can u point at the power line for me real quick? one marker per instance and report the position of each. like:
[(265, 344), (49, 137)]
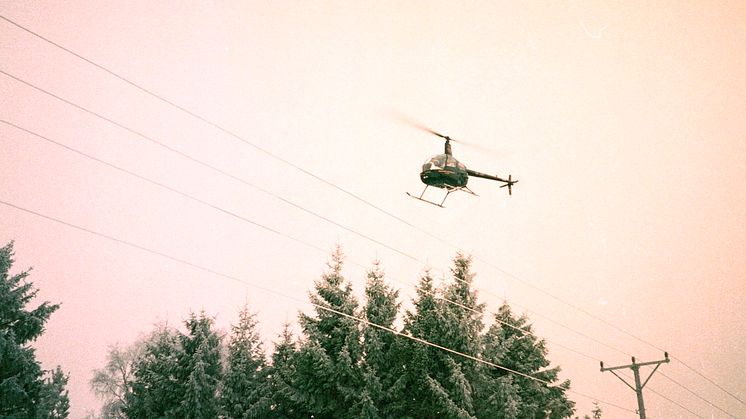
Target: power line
[(164, 186), (523, 331), (220, 171), (276, 157), (293, 165), (710, 381), (573, 306), (232, 214), (661, 395), (212, 167), (319, 306), (255, 223), (329, 183), (652, 390), (224, 173), (193, 198), (266, 289), (551, 320), (696, 395), (217, 126)]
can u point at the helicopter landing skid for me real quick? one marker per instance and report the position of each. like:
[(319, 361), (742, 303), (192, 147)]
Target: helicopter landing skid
[(448, 189)]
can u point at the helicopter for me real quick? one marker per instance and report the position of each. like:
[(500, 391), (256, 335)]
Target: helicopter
[(445, 172)]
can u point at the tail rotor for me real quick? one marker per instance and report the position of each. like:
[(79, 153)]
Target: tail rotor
[(509, 183)]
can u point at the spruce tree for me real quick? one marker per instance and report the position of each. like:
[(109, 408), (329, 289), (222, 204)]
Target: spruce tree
[(522, 351), (381, 308), (329, 379), (177, 375), (452, 318), (497, 391), (462, 327), (286, 400), (200, 361), (245, 388), (54, 401), (157, 385), (24, 392), (418, 364)]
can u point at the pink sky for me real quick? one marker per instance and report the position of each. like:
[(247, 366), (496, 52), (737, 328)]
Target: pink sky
[(622, 120)]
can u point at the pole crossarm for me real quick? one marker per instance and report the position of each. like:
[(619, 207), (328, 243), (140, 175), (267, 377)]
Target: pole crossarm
[(635, 367)]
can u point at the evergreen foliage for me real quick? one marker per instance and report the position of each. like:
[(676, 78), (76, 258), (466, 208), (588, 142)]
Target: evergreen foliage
[(520, 350), (329, 377), (245, 391), (419, 364), (462, 327), (157, 389), (24, 390), (344, 367), (178, 374), (379, 376), (450, 317), (286, 400), (200, 363), (54, 401)]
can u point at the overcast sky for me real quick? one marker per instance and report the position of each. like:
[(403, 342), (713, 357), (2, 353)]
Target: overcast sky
[(623, 121)]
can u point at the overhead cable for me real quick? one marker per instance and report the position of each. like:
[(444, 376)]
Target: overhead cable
[(212, 167), (319, 306), (257, 224), (243, 181), (333, 185)]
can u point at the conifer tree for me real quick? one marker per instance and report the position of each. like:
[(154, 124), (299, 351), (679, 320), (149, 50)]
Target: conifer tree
[(522, 351), (286, 401), (178, 374), (54, 401), (463, 314), (381, 308), (460, 327), (463, 318), (24, 392), (445, 382), (200, 361), (329, 378), (420, 367), (497, 393), (157, 385), (245, 390)]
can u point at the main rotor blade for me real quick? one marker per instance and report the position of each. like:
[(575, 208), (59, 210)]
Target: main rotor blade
[(408, 120)]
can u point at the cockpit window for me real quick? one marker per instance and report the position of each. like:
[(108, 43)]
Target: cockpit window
[(437, 162)]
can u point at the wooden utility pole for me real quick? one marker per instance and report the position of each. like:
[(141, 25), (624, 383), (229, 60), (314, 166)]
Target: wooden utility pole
[(635, 367)]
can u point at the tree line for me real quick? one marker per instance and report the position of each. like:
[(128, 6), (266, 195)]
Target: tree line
[(351, 360)]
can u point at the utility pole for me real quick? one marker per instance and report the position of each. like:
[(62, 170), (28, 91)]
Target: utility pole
[(635, 367)]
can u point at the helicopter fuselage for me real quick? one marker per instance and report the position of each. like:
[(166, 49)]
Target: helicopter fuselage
[(444, 171)]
